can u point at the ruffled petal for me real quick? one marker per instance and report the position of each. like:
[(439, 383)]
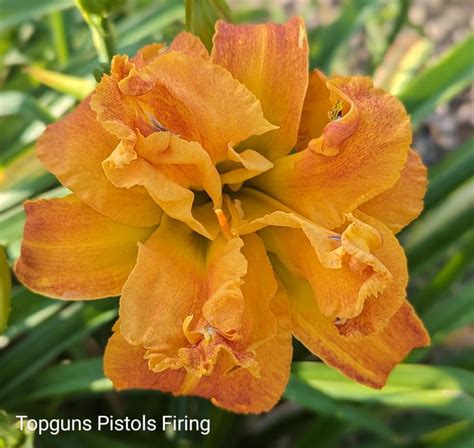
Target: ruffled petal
[(207, 311), (242, 166), (239, 391), (181, 277), (190, 44), (186, 95), (232, 388), (363, 293), (251, 211), (70, 251), (367, 360), (169, 168), (73, 149), (359, 155), (402, 203), (272, 61), (126, 366), (358, 273)]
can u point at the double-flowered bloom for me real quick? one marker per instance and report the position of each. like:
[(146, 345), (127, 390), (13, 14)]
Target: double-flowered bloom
[(233, 200)]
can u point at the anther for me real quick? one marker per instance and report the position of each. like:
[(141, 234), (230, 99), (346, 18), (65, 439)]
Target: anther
[(156, 124), (336, 111), (224, 224)]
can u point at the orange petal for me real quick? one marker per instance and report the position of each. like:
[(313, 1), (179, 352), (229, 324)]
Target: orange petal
[(206, 324), (358, 156), (70, 251), (371, 274), (242, 166), (127, 367), (187, 95), (272, 61), (73, 149), (234, 389), (402, 203), (170, 283), (169, 168), (367, 360), (190, 44), (239, 391), (189, 275), (251, 211)]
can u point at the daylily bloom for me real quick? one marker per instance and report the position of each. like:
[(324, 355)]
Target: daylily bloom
[(233, 200)]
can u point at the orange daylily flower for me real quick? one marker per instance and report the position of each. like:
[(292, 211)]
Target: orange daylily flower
[(233, 200)]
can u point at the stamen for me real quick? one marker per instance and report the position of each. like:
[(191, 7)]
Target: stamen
[(336, 111), (156, 124), (240, 210), (224, 224), (340, 321), (208, 332)]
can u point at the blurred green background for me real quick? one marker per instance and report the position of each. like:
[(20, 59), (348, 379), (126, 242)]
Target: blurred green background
[(50, 353)]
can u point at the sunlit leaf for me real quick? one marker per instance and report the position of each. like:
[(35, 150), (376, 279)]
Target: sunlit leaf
[(456, 435), (201, 16), (311, 398), (441, 390), (14, 12)]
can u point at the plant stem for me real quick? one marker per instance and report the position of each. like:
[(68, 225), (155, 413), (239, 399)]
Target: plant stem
[(102, 34)]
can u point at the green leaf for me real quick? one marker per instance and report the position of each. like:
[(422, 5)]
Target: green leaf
[(100, 7), (148, 22), (201, 16), (84, 376), (45, 342), (20, 103), (439, 227), (451, 172), (382, 28), (5, 290), (327, 431), (459, 261), (326, 41), (28, 310), (458, 435), (440, 390), (401, 65), (299, 391), (441, 82), (14, 12), (22, 178), (452, 313), (95, 14)]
